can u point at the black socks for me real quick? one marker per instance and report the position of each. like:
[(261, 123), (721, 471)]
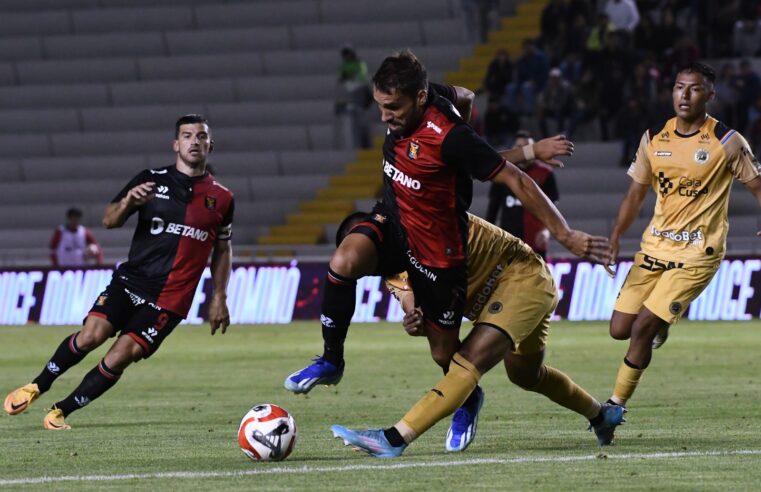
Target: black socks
[(67, 355), (337, 310)]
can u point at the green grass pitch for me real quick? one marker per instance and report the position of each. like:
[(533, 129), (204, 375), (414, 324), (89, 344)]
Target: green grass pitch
[(171, 422)]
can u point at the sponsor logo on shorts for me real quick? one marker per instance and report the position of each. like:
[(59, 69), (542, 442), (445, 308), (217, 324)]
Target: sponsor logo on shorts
[(662, 153), (327, 322), (654, 264), (495, 307), (149, 334), (158, 226), (136, 299), (420, 267), (675, 308), (485, 293), (690, 237), (400, 177)]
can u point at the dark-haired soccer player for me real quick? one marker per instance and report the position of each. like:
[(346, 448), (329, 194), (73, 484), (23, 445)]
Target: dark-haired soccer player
[(689, 162), (184, 214), (510, 298), (430, 157)]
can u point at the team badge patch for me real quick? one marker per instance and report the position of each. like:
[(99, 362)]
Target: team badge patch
[(102, 299), (413, 150), (380, 218), (211, 202), (701, 156), (495, 307), (675, 308)]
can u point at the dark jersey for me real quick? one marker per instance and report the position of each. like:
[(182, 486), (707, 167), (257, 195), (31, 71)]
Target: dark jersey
[(512, 216), (428, 181), (174, 236)]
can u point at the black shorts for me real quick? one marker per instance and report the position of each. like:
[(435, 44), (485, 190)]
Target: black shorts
[(134, 316), (439, 292)]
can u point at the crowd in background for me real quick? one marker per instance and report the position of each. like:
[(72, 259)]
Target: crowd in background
[(607, 68)]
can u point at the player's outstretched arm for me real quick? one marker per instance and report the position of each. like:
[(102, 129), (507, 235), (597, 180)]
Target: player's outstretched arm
[(116, 213), (545, 150), (627, 213), (593, 248), (221, 260)]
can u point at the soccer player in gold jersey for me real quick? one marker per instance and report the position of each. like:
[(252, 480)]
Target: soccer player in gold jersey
[(510, 298), (689, 161)]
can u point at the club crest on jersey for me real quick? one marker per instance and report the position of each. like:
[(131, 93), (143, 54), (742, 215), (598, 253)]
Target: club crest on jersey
[(413, 150), (211, 202), (101, 299), (701, 156), (380, 218)]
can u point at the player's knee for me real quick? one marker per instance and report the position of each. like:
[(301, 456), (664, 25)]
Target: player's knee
[(526, 380), (619, 331), (442, 356), (92, 338), (346, 262)]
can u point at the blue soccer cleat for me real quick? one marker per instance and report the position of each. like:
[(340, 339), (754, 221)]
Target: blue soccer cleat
[(462, 431), (612, 417), (371, 441), (319, 372)]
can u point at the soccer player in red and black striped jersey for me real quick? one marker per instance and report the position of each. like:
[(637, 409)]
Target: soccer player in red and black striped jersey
[(430, 157), (184, 215)]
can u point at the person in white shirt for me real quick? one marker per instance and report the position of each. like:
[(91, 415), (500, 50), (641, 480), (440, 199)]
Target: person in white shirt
[(73, 245), (623, 14)]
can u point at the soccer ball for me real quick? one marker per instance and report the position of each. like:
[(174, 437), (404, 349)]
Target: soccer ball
[(267, 433)]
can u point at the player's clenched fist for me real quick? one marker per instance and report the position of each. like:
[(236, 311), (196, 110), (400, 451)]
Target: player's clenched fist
[(140, 194)]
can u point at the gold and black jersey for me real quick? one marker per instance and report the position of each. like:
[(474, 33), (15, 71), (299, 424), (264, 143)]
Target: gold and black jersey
[(490, 251), (692, 177)]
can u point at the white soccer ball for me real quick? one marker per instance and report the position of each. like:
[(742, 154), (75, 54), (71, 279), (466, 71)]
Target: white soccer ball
[(267, 433)]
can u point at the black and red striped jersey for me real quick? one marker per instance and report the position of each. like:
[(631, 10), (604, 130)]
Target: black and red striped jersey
[(174, 236), (428, 184)]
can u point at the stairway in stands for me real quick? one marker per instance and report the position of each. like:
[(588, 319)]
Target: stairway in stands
[(362, 178)]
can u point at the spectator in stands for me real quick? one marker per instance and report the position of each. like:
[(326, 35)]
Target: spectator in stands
[(499, 122), (587, 101), (512, 216), (532, 70), (481, 16), (725, 101), (353, 98), (499, 73), (576, 35), (73, 245), (647, 36), (623, 14), (748, 86), (668, 32), (754, 126), (597, 41), (556, 102), (746, 38), (554, 16)]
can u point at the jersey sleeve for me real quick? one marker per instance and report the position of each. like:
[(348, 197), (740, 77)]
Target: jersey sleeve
[(446, 91), (740, 159), (640, 169), (465, 150), (225, 232), (141, 177)]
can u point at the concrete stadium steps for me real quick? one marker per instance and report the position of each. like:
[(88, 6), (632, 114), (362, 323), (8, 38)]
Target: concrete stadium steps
[(513, 30)]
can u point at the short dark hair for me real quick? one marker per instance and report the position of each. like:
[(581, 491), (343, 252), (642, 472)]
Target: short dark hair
[(74, 212), (348, 224), (403, 72), (189, 119), (696, 67)]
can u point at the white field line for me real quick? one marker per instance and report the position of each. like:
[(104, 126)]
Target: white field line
[(277, 470)]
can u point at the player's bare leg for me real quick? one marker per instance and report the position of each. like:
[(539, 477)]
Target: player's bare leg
[(621, 325), (644, 330), (100, 379), (70, 352)]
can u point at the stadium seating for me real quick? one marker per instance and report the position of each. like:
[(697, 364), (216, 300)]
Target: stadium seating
[(90, 89)]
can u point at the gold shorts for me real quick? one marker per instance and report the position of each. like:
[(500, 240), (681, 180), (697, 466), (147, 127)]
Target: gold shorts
[(666, 288), (521, 305)]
